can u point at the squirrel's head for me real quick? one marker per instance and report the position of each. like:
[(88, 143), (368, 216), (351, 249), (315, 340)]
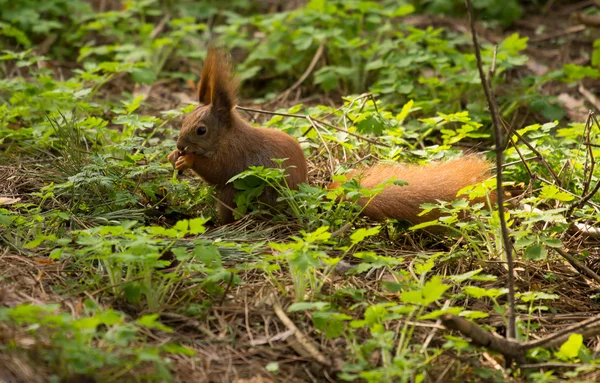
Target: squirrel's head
[(207, 124)]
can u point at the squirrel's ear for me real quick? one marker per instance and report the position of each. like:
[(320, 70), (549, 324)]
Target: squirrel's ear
[(223, 87), (205, 85)]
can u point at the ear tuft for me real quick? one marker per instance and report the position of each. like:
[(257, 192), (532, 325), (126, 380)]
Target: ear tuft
[(204, 87), (218, 87)]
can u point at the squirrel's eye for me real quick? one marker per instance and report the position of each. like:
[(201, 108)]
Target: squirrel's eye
[(201, 131)]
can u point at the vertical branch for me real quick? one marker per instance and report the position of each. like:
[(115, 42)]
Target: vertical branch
[(487, 88)]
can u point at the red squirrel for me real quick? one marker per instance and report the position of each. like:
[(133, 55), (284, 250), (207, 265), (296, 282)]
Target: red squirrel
[(216, 143)]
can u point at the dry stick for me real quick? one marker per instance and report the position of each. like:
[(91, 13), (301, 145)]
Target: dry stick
[(227, 206), (513, 349), (514, 144), (511, 330), (535, 151), (586, 197), (316, 120), (432, 333), (330, 159), (306, 343), (583, 269), (522, 160), (306, 73), (589, 96), (589, 151), (479, 337), (586, 328)]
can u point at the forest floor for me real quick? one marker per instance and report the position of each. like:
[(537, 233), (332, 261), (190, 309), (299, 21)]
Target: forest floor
[(213, 305)]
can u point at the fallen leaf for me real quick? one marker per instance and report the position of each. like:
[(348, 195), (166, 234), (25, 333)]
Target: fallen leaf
[(256, 379), (8, 201), (536, 67), (575, 107)]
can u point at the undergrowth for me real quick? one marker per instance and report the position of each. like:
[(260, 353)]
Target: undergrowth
[(89, 117)]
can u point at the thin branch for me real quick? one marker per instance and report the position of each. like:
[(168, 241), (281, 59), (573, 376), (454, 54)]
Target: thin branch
[(583, 269), (306, 343), (589, 154), (535, 151), (586, 327), (374, 142), (307, 72), (486, 83), (330, 155), (479, 337)]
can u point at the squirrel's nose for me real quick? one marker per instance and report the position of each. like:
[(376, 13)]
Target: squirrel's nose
[(180, 147)]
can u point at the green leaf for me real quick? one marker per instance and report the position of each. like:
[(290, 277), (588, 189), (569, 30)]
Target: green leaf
[(197, 225), (182, 226), (371, 124), (431, 292), (437, 313), (570, 349), (143, 76), (174, 348), (319, 235), (524, 242), (466, 276), (316, 5), (578, 72), (552, 192), (551, 242), (151, 321), (423, 225), (405, 111), (478, 292), (331, 323), (514, 44), (304, 306), (536, 252), (362, 233), (596, 54)]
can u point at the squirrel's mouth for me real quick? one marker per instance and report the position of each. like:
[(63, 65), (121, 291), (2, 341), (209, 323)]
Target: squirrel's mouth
[(196, 151)]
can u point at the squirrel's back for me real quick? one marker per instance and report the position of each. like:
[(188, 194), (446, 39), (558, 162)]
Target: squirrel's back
[(426, 184)]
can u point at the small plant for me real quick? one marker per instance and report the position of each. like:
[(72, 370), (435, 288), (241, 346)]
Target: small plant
[(98, 343)]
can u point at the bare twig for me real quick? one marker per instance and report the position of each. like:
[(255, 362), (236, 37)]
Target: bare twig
[(541, 158), (587, 328), (160, 26), (316, 120), (284, 95), (486, 83), (589, 155), (227, 206), (522, 160), (589, 96), (515, 350), (341, 230), (302, 339), (588, 171), (583, 269), (330, 155), (480, 337)]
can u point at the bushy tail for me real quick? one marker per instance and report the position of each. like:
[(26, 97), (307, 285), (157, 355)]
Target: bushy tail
[(426, 184)]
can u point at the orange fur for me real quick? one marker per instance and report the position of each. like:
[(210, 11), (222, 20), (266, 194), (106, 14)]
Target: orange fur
[(426, 184), (229, 144)]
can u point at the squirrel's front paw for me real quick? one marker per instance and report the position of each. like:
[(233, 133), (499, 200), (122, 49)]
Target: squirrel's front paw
[(184, 162), (174, 156)]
